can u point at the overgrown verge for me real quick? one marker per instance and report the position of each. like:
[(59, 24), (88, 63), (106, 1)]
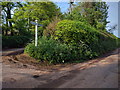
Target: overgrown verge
[(73, 41)]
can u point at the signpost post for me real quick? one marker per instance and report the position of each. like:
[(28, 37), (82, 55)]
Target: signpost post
[(36, 36), (36, 30)]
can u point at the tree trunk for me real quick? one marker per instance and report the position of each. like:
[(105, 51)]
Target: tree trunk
[(10, 23), (6, 29)]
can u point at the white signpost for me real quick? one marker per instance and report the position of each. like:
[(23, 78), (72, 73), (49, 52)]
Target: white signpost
[(36, 30)]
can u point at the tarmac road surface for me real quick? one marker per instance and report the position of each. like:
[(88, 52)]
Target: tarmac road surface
[(98, 73)]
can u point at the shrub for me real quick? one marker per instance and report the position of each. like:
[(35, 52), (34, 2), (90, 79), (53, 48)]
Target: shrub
[(74, 41), (56, 52), (47, 49), (70, 31), (106, 42), (14, 41), (77, 32)]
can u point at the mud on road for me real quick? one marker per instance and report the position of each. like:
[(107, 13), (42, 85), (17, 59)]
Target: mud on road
[(22, 71)]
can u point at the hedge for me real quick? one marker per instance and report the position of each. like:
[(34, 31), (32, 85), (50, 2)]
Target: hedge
[(56, 52), (77, 32), (14, 41), (73, 41)]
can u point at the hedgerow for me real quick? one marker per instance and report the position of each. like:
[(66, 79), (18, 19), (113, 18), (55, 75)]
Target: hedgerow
[(14, 41), (73, 41), (77, 32)]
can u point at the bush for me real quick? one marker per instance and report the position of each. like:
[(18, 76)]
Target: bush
[(76, 32), (56, 52), (70, 31), (75, 41), (14, 41), (105, 43), (47, 49)]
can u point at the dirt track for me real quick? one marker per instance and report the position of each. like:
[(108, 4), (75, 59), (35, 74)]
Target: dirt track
[(98, 73)]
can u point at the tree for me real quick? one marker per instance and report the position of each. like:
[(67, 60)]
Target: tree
[(44, 12), (7, 8), (94, 13)]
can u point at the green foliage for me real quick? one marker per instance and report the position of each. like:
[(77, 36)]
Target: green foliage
[(56, 52), (81, 36), (70, 31), (7, 8), (47, 49), (14, 41), (75, 41), (44, 12), (75, 15), (94, 13), (118, 42), (75, 32)]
